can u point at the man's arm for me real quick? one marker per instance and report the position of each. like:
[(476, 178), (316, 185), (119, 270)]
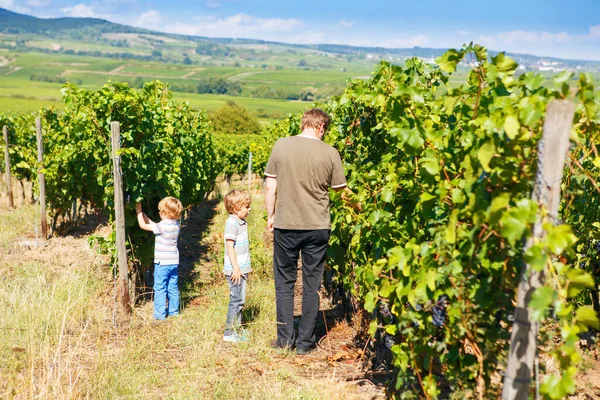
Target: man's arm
[(270, 196), (346, 196)]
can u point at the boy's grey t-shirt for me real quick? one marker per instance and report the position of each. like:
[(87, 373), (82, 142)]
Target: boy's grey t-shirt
[(236, 229), (165, 244), (305, 169)]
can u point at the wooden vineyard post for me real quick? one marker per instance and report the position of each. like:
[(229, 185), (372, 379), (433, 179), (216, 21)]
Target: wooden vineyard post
[(9, 192), (41, 177), (123, 283), (552, 152), (249, 172)]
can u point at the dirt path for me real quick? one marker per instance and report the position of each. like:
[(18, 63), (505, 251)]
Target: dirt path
[(241, 76), (192, 72), (12, 71), (117, 71), (182, 357)]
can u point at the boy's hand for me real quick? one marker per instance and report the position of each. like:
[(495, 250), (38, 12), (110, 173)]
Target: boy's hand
[(236, 277), (138, 207)]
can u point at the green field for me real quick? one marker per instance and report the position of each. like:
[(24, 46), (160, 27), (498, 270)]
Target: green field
[(19, 105), (30, 80), (20, 89)]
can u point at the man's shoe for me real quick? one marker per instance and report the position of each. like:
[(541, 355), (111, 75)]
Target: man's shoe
[(301, 351)]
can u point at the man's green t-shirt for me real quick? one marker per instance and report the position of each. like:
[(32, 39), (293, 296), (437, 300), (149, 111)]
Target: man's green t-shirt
[(305, 169)]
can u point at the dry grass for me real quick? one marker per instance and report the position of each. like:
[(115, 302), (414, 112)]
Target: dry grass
[(58, 340)]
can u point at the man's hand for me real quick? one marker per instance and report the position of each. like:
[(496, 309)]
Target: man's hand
[(270, 197), (138, 208), (346, 196), (236, 277), (271, 224)]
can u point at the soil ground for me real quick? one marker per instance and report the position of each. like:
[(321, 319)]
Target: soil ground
[(337, 369)]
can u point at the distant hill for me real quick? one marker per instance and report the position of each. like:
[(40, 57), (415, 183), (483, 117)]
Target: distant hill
[(11, 22), (28, 31)]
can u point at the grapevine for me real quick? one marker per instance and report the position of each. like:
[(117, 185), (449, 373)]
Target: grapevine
[(444, 176)]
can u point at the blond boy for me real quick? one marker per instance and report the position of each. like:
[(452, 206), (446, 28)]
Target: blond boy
[(237, 260), (166, 255)]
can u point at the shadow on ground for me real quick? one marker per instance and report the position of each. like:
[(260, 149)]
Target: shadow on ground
[(87, 222), (192, 250)]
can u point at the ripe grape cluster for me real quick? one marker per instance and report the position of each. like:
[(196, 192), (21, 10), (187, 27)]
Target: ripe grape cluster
[(388, 341), (385, 310), (438, 312)]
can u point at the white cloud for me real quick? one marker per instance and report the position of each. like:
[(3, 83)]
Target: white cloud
[(212, 3), (401, 42), (513, 37), (150, 19), (529, 37), (238, 26), (37, 3), (541, 43), (345, 24), (13, 6), (463, 32), (83, 11)]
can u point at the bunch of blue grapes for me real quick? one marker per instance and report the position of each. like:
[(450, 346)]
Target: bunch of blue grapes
[(439, 312), (384, 309), (388, 341)]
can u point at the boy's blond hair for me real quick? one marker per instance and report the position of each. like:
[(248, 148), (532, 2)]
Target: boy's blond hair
[(170, 207), (314, 118), (235, 200)]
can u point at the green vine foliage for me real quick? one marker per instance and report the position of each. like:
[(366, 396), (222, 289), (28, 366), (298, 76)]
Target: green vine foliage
[(22, 147), (166, 150), (444, 176), (233, 149)]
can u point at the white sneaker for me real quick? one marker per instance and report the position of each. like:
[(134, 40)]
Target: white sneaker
[(235, 338)]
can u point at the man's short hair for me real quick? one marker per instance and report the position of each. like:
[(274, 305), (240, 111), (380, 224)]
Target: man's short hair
[(170, 207), (314, 118), (235, 200)]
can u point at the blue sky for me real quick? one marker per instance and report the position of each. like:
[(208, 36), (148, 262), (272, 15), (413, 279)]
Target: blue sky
[(560, 28)]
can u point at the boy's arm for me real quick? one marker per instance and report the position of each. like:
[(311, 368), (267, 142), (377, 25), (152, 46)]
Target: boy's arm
[(236, 277), (143, 221), (270, 196)]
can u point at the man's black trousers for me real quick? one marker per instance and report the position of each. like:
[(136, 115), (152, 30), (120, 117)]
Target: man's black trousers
[(288, 244)]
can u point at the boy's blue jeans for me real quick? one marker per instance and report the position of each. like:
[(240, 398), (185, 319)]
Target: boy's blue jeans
[(237, 298), (165, 287)]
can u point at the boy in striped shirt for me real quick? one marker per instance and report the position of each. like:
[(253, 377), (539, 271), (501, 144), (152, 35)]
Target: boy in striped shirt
[(166, 255), (237, 260)]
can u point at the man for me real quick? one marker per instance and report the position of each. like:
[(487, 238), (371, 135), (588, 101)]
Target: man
[(299, 174)]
